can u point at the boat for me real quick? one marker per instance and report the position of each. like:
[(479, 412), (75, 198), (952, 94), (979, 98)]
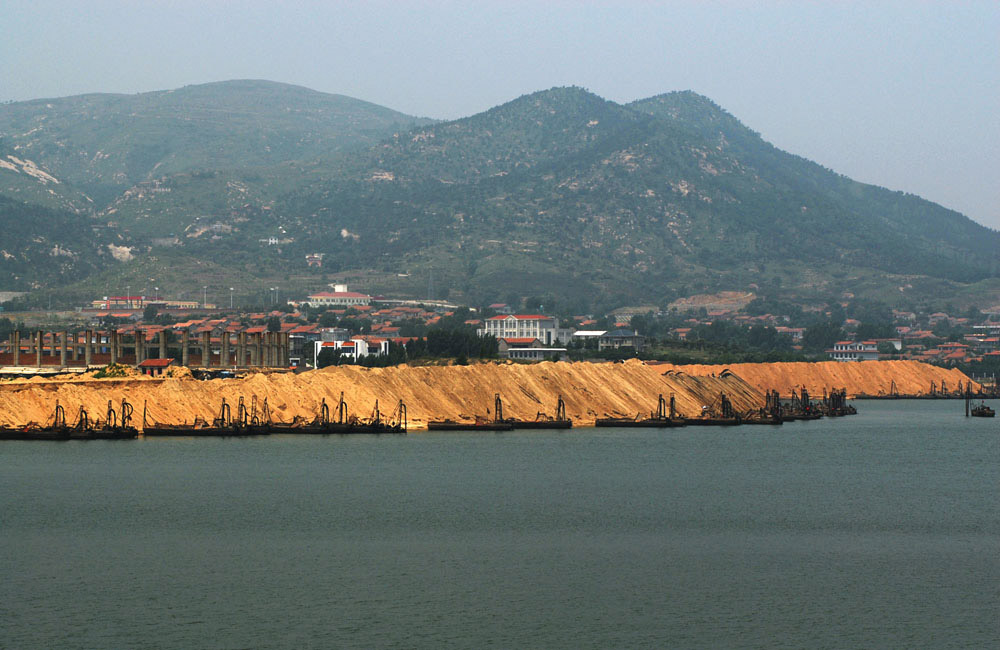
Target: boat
[(58, 430), (116, 426), (479, 425), (657, 420), (345, 424), (982, 411), (791, 417), (770, 413), (725, 415), (763, 419), (541, 421), (709, 421), (497, 423), (222, 426)]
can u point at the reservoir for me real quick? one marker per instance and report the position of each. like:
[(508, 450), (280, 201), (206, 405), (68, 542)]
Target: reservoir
[(876, 530)]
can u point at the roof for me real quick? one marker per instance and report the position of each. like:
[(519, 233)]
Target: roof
[(622, 332), (590, 333), (156, 363), (520, 317), (339, 294), (537, 350), (520, 340)]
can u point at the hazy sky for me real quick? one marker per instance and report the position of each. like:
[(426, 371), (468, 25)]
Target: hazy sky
[(904, 95)]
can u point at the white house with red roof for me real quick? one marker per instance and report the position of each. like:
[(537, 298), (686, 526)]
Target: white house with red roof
[(354, 349), (339, 297), (521, 326)]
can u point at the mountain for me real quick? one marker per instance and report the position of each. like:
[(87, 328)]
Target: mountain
[(559, 194), (105, 143), (563, 192)]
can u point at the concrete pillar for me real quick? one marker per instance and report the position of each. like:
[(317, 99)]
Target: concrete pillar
[(255, 349), (224, 351), (74, 350), (65, 349), (16, 336), (286, 353), (163, 344), (88, 347), (184, 348), (241, 349), (113, 340), (206, 349), (38, 349), (140, 343)]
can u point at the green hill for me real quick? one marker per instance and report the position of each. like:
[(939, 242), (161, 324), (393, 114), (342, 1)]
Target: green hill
[(104, 143), (558, 194)]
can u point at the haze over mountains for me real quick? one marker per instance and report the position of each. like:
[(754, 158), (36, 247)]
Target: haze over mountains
[(559, 193)]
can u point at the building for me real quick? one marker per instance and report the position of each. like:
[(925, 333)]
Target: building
[(527, 349), (315, 259), (796, 333), (339, 297), (155, 367), (300, 340), (854, 351), (501, 308), (620, 339), (519, 326), (353, 349)]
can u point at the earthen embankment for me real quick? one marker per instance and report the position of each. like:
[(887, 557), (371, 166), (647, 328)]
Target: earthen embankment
[(430, 392), (863, 377)]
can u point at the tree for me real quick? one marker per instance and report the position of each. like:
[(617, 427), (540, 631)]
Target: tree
[(822, 335), (328, 357), (149, 313), (273, 324)]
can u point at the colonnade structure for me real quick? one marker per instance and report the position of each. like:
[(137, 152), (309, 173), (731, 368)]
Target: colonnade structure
[(86, 348)]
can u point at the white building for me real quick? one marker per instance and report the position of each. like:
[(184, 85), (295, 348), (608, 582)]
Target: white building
[(854, 351), (521, 326), (354, 349), (339, 297)]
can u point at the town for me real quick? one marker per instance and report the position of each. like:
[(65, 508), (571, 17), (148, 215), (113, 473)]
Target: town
[(337, 325)]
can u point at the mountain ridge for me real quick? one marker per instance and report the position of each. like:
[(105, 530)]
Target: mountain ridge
[(642, 201)]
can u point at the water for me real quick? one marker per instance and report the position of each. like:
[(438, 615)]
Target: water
[(879, 530)]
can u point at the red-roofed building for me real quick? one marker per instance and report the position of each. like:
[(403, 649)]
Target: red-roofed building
[(353, 349), (501, 308), (155, 367), (339, 297)]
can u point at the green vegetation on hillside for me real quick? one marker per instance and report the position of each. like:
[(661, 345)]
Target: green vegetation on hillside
[(557, 193)]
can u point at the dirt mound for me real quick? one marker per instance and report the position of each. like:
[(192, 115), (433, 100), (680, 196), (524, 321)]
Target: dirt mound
[(457, 392), (868, 377)]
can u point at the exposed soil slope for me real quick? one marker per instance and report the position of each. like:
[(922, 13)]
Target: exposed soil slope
[(457, 392), (869, 377)]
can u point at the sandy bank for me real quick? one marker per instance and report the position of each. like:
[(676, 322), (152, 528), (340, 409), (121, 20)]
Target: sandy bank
[(458, 392), (870, 377)]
